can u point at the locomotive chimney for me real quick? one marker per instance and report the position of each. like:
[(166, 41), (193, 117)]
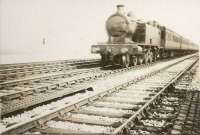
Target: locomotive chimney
[(120, 9)]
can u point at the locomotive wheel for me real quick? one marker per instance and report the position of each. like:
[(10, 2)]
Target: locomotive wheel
[(150, 57), (125, 60), (154, 56), (140, 60), (103, 61), (146, 58), (134, 61)]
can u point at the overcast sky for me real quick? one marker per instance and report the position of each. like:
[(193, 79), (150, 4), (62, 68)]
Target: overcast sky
[(70, 27)]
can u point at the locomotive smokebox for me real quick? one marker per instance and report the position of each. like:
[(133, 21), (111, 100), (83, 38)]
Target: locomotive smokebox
[(120, 27)]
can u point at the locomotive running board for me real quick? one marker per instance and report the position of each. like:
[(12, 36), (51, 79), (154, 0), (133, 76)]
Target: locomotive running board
[(120, 44)]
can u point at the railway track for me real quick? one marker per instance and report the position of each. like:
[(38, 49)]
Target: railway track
[(24, 93), (177, 112), (11, 72), (112, 109), (39, 78), (35, 64)]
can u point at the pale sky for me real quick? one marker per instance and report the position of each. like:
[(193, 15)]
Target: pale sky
[(70, 27)]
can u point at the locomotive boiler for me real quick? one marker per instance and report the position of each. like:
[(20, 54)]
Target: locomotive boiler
[(131, 42)]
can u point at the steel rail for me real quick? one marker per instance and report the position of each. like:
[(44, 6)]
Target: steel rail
[(45, 76), (46, 63), (12, 74)]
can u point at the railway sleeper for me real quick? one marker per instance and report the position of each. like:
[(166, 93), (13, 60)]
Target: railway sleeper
[(31, 100), (61, 131), (123, 100), (105, 114), (91, 119), (123, 106)]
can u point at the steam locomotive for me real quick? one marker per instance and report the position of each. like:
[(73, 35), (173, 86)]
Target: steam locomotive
[(131, 42)]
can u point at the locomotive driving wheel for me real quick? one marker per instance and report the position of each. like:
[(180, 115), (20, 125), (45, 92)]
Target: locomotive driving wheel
[(146, 58), (134, 61), (155, 56), (125, 60), (150, 57), (140, 60), (103, 61)]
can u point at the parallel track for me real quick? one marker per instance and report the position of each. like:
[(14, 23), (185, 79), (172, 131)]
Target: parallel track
[(16, 71), (46, 63), (24, 93), (125, 94)]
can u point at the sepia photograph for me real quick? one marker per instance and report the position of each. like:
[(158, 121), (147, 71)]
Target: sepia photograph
[(99, 67)]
